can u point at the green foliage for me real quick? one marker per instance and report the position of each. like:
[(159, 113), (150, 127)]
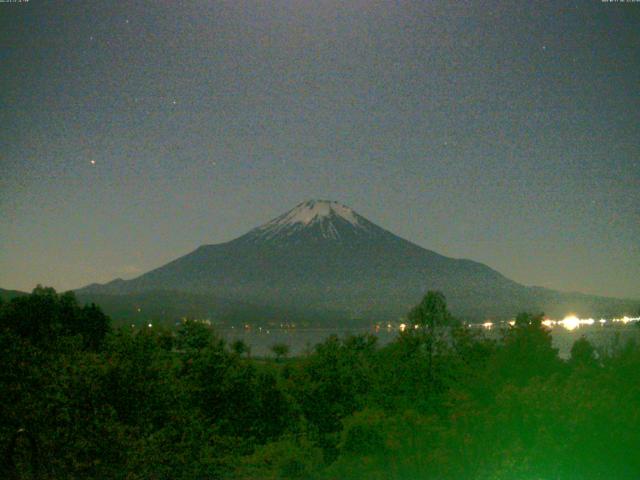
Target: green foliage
[(418, 365), (439, 402), (280, 350), (44, 316), (287, 458), (583, 353), (527, 351), (193, 336), (431, 312), (334, 382), (240, 347), (363, 434)]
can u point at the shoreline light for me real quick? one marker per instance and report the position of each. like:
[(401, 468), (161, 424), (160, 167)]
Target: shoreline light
[(570, 322)]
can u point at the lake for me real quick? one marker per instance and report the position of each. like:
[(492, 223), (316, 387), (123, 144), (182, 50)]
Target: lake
[(260, 339)]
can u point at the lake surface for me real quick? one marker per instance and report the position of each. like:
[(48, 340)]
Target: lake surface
[(301, 340)]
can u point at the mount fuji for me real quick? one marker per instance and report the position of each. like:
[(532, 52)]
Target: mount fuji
[(322, 262)]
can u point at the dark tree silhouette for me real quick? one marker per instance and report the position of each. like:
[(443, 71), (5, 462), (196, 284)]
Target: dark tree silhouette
[(193, 335), (429, 316), (431, 312), (583, 353), (527, 350), (44, 316), (440, 401), (280, 350), (240, 347)]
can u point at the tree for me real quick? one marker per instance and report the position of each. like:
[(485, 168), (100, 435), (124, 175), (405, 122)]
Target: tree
[(35, 317), (240, 347), (280, 350), (431, 312), (527, 350), (430, 315), (195, 336), (583, 353), (94, 325), (44, 316)]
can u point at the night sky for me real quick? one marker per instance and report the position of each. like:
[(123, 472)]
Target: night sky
[(506, 132)]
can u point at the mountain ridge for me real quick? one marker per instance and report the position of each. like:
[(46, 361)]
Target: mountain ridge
[(323, 256)]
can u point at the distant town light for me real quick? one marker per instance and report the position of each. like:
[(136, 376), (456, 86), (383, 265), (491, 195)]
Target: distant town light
[(570, 322)]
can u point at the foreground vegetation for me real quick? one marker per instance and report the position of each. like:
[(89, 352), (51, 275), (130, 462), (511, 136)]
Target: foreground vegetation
[(441, 402)]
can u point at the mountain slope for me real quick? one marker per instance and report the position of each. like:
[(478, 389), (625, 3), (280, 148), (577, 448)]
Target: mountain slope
[(7, 295), (322, 256)]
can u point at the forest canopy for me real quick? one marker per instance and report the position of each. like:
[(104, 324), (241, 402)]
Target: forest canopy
[(83, 400)]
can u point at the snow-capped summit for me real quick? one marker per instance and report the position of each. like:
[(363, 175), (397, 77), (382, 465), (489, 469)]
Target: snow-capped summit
[(314, 210), (320, 218)]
